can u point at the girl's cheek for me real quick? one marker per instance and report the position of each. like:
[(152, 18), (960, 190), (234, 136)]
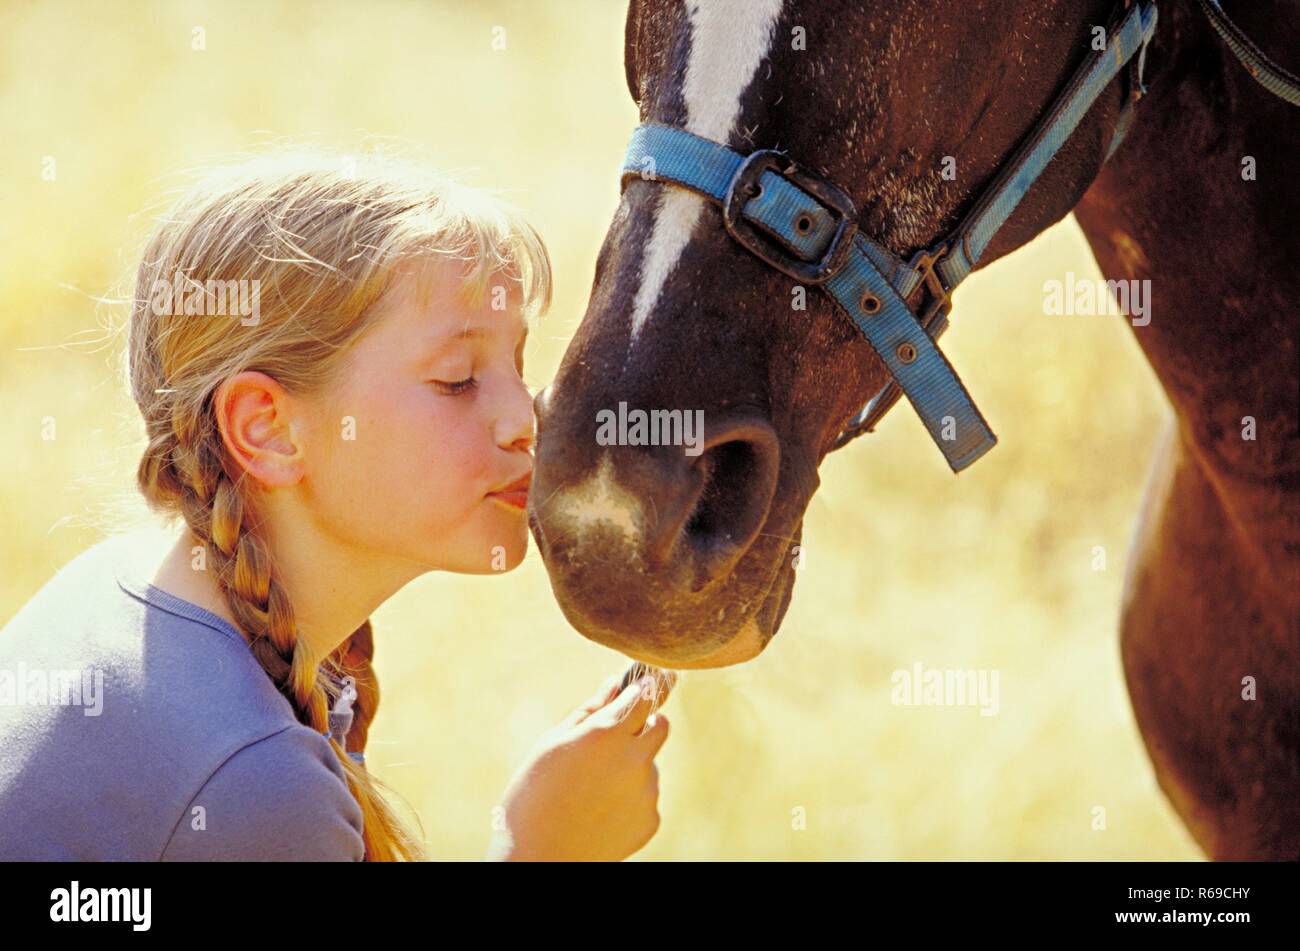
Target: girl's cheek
[(457, 454)]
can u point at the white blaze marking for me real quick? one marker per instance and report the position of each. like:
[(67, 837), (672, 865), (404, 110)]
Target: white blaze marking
[(729, 38), (599, 498)]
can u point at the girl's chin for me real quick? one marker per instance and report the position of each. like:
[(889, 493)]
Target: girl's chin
[(505, 550), (494, 551), (498, 561)]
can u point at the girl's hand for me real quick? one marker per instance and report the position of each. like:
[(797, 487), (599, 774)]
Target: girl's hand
[(589, 790)]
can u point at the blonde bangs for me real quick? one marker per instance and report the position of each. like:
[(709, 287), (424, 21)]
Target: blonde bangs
[(491, 241)]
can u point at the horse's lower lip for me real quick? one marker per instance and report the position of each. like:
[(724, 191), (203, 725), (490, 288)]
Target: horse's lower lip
[(516, 498)]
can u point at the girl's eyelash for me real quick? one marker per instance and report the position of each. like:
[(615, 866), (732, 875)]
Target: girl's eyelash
[(456, 388)]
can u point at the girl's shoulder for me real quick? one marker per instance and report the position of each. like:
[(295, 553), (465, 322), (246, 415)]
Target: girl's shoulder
[(122, 706), (99, 618)]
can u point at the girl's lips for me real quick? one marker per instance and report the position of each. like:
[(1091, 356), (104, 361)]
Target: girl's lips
[(514, 494), (515, 498)]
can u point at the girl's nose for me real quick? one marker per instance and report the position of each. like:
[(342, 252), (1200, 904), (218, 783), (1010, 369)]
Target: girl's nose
[(518, 425)]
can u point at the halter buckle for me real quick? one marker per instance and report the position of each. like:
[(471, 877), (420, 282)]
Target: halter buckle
[(940, 301), (743, 186)]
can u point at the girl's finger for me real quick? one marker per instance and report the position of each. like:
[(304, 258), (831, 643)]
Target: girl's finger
[(604, 695), (654, 733), (629, 710)]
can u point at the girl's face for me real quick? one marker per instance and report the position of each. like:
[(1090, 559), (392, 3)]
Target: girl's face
[(428, 418)]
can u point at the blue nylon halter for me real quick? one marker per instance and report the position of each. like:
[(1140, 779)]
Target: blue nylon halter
[(806, 227), (1281, 83)]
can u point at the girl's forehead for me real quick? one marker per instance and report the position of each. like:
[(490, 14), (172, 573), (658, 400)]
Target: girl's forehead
[(422, 284), (440, 291), (432, 302)]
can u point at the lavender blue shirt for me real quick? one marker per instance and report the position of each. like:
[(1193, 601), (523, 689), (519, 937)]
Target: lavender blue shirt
[(136, 726)]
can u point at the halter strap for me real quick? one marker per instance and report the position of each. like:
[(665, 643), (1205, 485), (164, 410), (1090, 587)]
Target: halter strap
[(806, 227), (1278, 81), (1000, 199)]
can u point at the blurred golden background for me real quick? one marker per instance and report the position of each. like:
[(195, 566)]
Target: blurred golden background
[(904, 562)]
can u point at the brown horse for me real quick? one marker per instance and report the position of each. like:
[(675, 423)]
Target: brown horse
[(684, 560)]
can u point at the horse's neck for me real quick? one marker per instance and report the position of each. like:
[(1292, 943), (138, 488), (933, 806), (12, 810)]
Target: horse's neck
[(1176, 206)]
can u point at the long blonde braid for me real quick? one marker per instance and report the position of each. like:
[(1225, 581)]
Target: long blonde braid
[(323, 236)]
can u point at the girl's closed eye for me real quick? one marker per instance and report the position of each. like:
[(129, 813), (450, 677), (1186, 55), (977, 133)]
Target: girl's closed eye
[(455, 388)]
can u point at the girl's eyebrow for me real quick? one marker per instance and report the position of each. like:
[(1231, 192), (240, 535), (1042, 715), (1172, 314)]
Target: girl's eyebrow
[(436, 343), (470, 333)]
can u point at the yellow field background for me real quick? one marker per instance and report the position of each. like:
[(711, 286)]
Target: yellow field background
[(905, 563)]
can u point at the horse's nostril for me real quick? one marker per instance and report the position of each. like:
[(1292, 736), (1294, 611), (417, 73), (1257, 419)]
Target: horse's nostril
[(725, 468), (734, 482)]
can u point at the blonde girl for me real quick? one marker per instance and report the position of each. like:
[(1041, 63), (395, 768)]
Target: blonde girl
[(327, 356)]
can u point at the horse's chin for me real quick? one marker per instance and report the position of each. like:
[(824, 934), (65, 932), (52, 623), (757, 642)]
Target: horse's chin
[(682, 652), (747, 643)]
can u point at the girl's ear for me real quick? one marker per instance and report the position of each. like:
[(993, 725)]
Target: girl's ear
[(256, 417)]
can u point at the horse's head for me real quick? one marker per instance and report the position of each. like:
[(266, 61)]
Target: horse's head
[(683, 556)]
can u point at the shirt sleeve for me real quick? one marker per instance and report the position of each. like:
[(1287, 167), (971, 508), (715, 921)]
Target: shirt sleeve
[(280, 798)]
